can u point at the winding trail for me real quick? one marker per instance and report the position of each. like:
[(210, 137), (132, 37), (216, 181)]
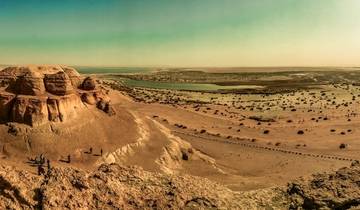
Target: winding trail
[(268, 148)]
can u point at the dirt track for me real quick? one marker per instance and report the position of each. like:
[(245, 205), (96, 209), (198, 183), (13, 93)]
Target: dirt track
[(260, 147)]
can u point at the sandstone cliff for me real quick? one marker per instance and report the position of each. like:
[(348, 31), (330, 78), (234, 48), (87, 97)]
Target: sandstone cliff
[(35, 95)]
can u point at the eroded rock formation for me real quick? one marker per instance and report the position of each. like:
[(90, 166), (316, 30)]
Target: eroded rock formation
[(110, 187), (35, 95), (113, 186), (339, 190)]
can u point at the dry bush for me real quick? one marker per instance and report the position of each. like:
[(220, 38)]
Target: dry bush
[(342, 146)]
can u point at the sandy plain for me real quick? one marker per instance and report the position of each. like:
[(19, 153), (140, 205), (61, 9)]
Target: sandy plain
[(244, 140)]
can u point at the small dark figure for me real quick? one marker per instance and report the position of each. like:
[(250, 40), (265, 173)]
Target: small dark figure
[(101, 151), (90, 151), (48, 164), (42, 159), (69, 158), (40, 170)]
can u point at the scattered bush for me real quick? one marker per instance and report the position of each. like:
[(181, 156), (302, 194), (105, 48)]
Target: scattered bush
[(342, 146)]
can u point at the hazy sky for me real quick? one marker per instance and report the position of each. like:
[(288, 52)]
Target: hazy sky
[(181, 32)]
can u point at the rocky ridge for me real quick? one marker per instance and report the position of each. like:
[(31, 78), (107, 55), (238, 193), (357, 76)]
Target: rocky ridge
[(35, 95), (337, 190), (119, 187), (113, 186)]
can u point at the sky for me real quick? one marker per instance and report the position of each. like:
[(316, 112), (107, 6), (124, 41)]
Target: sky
[(181, 33)]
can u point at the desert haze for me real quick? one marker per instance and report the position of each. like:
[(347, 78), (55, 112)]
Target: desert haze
[(231, 104)]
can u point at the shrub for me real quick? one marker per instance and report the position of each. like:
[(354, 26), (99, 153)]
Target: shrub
[(342, 146)]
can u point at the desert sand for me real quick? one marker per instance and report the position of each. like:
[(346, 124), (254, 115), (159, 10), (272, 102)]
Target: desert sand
[(250, 146)]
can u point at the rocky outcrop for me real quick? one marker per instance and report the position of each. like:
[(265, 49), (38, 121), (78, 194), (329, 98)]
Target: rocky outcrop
[(110, 187), (30, 84), (18, 189), (88, 84), (35, 95), (113, 186), (6, 103), (89, 98), (74, 76), (29, 110), (53, 110), (58, 84), (63, 107), (106, 107), (339, 190)]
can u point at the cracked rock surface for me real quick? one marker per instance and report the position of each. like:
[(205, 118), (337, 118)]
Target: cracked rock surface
[(339, 190), (113, 186)]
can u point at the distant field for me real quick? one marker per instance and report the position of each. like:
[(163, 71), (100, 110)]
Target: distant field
[(268, 69), (249, 78), (112, 70), (184, 86), (260, 82), (129, 70)]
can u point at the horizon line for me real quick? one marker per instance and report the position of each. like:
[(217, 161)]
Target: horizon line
[(195, 67)]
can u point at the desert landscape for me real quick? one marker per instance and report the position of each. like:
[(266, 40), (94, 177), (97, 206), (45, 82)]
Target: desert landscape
[(257, 144), (180, 105)]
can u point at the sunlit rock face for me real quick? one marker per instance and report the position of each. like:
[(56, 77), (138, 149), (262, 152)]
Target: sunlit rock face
[(58, 84), (35, 95)]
